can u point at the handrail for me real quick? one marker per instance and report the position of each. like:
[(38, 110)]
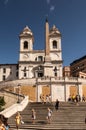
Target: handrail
[(15, 108)]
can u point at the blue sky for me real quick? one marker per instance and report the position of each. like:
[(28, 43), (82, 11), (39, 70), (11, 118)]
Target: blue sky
[(69, 16)]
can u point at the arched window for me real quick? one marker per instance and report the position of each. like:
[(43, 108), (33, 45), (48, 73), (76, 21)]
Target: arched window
[(25, 45), (54, 44)]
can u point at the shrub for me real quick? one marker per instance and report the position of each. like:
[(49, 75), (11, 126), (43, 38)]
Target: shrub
[(2, 103)]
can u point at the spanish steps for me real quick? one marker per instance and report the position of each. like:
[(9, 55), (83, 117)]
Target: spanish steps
[(68, 117)]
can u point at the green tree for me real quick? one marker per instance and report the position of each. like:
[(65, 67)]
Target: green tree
[(2, 103)]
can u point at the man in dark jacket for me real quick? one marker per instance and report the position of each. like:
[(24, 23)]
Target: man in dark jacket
[(57, 104)]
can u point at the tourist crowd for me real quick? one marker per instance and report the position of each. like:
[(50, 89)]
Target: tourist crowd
[(76, 98), (44, 99)]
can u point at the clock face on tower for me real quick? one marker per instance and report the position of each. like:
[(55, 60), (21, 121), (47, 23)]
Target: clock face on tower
[(25, 56)]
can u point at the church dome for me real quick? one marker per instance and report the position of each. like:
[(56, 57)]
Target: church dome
[(26, 32), (54, 31)]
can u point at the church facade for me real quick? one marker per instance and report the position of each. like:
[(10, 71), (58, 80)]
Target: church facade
[(36, 63), (41, 71)]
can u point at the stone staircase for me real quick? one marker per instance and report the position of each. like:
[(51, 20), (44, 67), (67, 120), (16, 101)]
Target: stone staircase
[(69, 116)]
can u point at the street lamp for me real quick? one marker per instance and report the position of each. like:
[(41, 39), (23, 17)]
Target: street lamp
[(77, 86), (50, 90), (18, 93), (37, 89), (64, 90)]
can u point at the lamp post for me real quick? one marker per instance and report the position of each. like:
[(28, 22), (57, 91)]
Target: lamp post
[(64, 90), (77, 86), (50, 90), (18, 93), (36, 89)]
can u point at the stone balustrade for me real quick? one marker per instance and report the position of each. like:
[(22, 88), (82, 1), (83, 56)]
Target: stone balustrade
[(15, 108), (33, 81)]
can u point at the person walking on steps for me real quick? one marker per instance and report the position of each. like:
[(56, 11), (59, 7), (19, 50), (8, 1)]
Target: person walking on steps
[(33, 116), (57, 104), (2, 125), (18, 120), (49, 114)]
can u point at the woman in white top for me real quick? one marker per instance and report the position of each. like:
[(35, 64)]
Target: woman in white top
[(49, 114)]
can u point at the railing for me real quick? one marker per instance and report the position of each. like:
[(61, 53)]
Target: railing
[(61, 79), (15, 108), (32, 81)]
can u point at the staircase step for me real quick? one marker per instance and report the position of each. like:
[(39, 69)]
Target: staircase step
[(69, 116)]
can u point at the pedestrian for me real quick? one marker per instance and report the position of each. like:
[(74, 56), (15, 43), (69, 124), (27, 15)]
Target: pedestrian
[(47, 99), (57, 104), (18, 120), (83, 98), (33, 116), (49, 114), (7, 127), (50, 101), (73, 98), (77, 99), (2, 125), (41, 97), (70, 98)]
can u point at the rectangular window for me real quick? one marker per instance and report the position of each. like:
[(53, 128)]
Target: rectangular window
[(17, 74), (40, 58), (55, 73), (17, 67), (4, 77), (4, 70), (24, 74)]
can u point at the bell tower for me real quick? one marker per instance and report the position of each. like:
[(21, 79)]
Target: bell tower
[(53, 51), (26, 44), (56, 50), (26, 48)]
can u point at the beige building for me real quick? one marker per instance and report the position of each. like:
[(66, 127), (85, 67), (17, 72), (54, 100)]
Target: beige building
[(77, 66), (41, 71), (39, 63), (36, 63), (66, 71)]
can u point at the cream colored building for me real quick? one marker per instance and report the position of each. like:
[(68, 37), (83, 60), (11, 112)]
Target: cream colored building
[(66, 71), (36, 63), (40, 71)]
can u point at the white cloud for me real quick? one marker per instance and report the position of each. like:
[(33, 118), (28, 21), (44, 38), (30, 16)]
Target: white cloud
[(52, 8), (48, 1), (5, 2)]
